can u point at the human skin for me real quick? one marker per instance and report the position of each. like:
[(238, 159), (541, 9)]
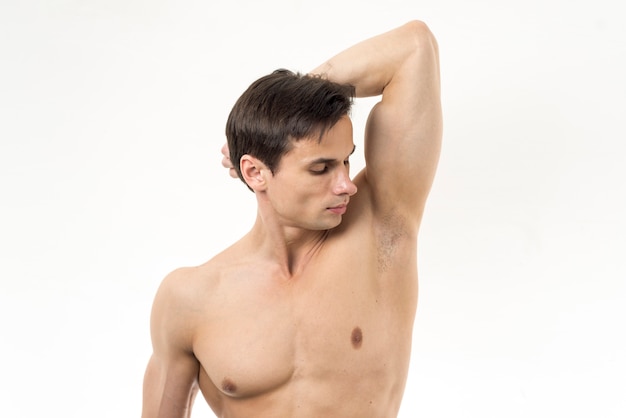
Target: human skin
[(310, 314)]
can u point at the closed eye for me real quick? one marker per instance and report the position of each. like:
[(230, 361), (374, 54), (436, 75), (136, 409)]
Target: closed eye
[(319, 171), (323, 165)]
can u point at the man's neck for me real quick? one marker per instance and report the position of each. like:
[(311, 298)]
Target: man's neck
[(289, 248)]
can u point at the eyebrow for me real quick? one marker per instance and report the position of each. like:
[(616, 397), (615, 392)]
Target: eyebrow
[(329, 160)]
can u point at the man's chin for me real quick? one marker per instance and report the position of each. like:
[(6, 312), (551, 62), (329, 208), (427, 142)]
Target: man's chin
[(334, 223)]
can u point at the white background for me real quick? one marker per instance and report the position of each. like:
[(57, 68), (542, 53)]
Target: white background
[(111, 120)]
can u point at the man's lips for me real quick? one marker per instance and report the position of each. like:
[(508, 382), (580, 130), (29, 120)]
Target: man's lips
[(340, 209)]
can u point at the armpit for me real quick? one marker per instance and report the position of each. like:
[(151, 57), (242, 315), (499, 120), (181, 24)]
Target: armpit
[(393, 229)]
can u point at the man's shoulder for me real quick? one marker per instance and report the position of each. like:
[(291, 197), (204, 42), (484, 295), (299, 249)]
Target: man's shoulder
[(184, 287), (191, 282)]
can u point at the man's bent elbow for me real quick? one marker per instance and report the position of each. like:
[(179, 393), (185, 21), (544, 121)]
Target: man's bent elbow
[(420, 34)]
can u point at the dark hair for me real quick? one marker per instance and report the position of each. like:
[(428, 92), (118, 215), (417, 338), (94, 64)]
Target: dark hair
[(282, 107)]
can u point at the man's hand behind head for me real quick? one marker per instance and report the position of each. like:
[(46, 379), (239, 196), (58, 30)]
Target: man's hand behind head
[(227, 163)]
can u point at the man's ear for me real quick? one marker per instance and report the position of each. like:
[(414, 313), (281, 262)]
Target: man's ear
[(253, 172)]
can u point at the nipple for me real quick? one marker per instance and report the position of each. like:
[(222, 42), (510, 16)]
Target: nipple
[(356, 338), (228, 386)]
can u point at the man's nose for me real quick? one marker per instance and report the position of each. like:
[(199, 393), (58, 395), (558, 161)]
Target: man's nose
[(344, 184)]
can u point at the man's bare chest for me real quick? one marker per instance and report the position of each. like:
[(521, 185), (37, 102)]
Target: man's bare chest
[(335, 323)]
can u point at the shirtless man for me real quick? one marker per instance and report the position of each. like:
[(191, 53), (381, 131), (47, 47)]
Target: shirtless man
[(311, 313)]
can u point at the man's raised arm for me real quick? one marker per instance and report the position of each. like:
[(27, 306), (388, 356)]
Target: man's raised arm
[(403, 134)]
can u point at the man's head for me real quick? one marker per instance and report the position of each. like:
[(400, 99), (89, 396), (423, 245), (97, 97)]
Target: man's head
[(280, 108)]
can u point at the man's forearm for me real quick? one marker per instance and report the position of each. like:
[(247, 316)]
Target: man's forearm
[(372, 64)]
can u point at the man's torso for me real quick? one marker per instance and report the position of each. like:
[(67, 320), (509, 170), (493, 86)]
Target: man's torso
[(334, 340)]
